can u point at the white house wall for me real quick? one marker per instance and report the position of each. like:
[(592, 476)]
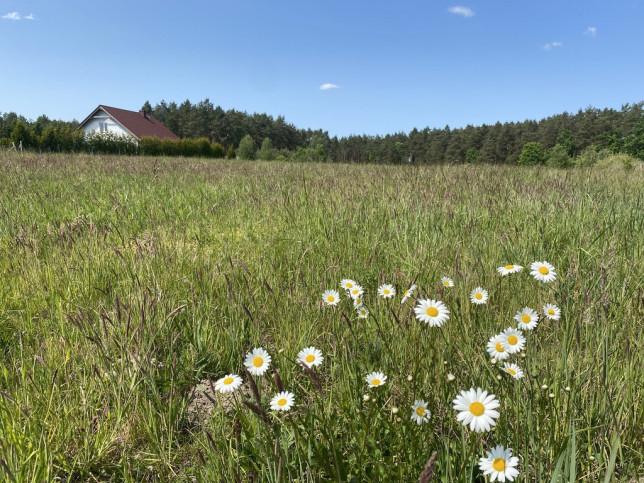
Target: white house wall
[(112, 126)]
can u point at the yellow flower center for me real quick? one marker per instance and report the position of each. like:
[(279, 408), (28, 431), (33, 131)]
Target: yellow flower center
[(551, 312), (478, 296), (511, 371), (375, 382), (499, 347), (228, 380), (512, 339), (406, 293), (362, 312), (281, 402), (258, 361), (446, 282), (525, 318), (349, 285), (432, 311), (358, 301), (477, 409), (310, 358), (509, 267), (355, 292), (498, 464), (386, 291), (544, 270), (420, 411), (330, 298)]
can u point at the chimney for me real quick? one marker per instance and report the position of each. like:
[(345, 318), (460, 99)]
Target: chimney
[(143, 113)]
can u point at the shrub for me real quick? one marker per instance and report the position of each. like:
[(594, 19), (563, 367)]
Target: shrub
[(472, 155), (267, 151), (532, 154), (558, 157), (230, 154), (246, 148)]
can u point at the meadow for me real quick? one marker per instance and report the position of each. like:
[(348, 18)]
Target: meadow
[(131, 285)]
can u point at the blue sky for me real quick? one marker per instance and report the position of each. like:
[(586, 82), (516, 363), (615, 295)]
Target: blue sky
[(390, 66)]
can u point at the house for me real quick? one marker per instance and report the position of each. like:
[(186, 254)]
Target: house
[(105, 119)]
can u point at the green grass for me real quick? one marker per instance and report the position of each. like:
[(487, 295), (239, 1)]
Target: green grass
[(98, 370)]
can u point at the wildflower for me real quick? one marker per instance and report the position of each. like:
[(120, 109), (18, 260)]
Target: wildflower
[(543, 271), (496, 349), (514, 370), (228, 383), (376, 379), (513, 340), (257, 361), (357, 302), (527, 318), (347, 283), (310, 356), (283, 401), (408, 293), (356, 291), (419, 412), (508, 269), (366, 398), (363, 313), (450, 377), (386, 291), (499, 464), (447, 282), (331, 297), (394, 410), (432, 312), (478, 296), (552, 311), (477, 409)]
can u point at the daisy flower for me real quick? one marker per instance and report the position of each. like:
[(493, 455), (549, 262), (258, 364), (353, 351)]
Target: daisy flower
[(347, 283), (228, 383), (499, 464), (476, 409), (496, 349), (356, 291), (527, 318), (552, 311), (508, 269), (512, 340), (363, 313), (408, 293), (478, 296), (543, 271), (432, 312), (514, 370), (376, 379), (419, 412), (310, 356), (283, 401), (331, 297), (386, 291), (447, 282), (357, 302), (257, 361)]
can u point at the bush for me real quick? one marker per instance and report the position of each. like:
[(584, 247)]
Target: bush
[(267, 151), (230, 154), (110, 143), (472, 155), (558, 157), (532, 154), (590, 156), (246, 148)]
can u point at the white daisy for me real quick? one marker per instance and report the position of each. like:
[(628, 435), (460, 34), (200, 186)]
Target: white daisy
[(447, 282), (476, 409), (376, 379), (514, 370), (357, 302), (552, 311), (513, 340), (508, 269), (310, 356), (499, 464), (347, 283), (496, 349), (356, 291), (478, 296), (527, 318), (283, 401), (363, 313), (543, 271), (432, 312), (419, 412), (228, 383), (408, 293), (386, 291), (331, 297), (257, 361)]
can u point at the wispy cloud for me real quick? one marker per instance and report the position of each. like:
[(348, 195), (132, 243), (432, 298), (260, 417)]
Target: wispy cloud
[(326, 87), (466, 12), (12, 16), (552, 45), (592, 31), (29, 17)]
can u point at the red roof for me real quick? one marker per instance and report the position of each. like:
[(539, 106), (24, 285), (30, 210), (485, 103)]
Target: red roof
[(139, 124)]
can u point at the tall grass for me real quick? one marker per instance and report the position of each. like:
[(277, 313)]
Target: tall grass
[(129, 283)]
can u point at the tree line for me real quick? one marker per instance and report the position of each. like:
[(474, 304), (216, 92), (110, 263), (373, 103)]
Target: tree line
[(556, 140)]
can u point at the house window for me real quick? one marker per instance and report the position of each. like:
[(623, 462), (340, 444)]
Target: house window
[(103, 126)]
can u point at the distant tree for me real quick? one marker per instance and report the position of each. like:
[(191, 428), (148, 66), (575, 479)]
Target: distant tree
[(246, 148), (558, 157), (230, 154), (22, 133), (566, 140), (532, 154), (147, 107), (267, 151), (472, 155)]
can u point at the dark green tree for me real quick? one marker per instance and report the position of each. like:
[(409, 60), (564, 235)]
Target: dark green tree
[(532, 154), (246, 148)]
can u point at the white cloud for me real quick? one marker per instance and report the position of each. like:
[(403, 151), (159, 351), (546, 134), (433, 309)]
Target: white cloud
[(592, 31), (29, 17), (12, 16), (552, 45), (326, 87), (463, 11)]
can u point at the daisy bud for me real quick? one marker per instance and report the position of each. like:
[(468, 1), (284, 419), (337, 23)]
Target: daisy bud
[(445, 363), (591, 458), (366, 397), (498, 377), (394, 410), (451, 377), (551, 395), (567, 388), (493, 361), (410, 378), (398, 420), (544, 387), (523, 355)]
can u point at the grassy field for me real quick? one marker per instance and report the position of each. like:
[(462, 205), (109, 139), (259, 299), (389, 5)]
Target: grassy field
[(130, 285)]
